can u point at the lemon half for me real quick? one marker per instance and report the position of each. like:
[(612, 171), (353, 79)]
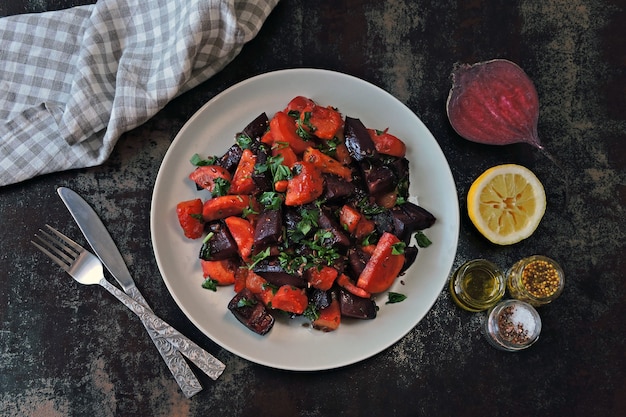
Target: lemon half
[(506, 203)]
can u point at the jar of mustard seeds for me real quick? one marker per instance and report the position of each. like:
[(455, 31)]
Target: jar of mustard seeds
[(537, 280)]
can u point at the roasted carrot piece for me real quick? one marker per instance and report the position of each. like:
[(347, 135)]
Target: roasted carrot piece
[(322, 278), (281, 186), (268, 138), (326, 163), (240, 278), (383, 266), (242, 231), (298, 104), (349, 218), (290, 299), (188, 213), (364, 228), (222, 271), (306, 186), (329, 317), (387, 144), (323, 122), (345, 282), (205, 176), (259, 287), (283, 129), (289, 156), (242, 182), (342, 154), (224, 206)]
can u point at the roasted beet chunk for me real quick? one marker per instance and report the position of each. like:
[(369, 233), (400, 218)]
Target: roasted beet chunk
[(262, 176), (410, 254), (268, 230), (230, 159), (356, 307), (252, 313), (379, 179), (422, 217), (257, 127), (272, 271), (357, 259), (319, 298), (328, 223), (337, 188), (219, 244), (358, 140)]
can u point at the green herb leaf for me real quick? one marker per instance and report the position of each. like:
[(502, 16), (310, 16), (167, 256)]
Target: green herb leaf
[(271, 200), (244, 141), (422, 240), (209, 284), (259, 257), (311, 312), (198, 161), (244, 302), (247, 211), (369, 209), (220, 187), (398, 248), (395, 297)]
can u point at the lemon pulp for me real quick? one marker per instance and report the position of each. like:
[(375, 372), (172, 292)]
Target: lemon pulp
[(506, 203)]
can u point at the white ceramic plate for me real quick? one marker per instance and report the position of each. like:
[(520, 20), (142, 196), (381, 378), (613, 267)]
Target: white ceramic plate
[(289, 345)]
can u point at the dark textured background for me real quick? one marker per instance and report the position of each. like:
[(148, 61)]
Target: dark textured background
[(67, 350)]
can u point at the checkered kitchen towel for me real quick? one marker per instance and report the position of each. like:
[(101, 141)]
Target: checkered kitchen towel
[(72, 81)]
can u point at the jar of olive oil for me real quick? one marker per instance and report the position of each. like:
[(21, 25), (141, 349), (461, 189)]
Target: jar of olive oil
[(537, 280), (477, 285)]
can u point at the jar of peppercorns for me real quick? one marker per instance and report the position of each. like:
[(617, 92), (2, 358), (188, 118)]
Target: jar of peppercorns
[(537, 280), (512, 325)]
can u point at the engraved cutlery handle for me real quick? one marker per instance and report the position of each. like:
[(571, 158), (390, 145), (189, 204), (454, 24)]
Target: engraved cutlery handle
[(182, 373), (159, 329)]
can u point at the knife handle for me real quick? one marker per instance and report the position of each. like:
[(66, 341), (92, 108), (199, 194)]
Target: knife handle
[(180, 369), (161, 330)]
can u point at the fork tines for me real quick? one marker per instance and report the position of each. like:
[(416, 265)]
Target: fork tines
[(60, 248)]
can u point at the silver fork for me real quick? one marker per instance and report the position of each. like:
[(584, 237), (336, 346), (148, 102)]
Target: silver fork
[(87, 269)]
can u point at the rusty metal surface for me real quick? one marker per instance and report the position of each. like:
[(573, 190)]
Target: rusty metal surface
[(572, 49)]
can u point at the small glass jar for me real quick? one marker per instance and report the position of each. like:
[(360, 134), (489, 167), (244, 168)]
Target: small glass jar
[(512, 325), (477, 285), (538, 280)]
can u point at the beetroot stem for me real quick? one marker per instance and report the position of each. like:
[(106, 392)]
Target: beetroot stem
[(556, 162)]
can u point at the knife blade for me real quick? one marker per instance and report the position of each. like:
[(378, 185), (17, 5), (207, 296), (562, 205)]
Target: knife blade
[(105, 248)]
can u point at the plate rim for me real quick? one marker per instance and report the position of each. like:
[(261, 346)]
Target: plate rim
[(454, 220)]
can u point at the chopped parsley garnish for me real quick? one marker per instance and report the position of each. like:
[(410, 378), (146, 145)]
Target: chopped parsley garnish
[(422, 240), (271, 200), (244, 302), (300, 126), (220, 187), (395, 297), (276, 168), (198, 161), (311, 312), (398, 248), (259, 257), (244, 141), (369, 209), (209, 284)]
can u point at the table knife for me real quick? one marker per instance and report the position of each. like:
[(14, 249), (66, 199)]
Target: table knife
[(168, 341)]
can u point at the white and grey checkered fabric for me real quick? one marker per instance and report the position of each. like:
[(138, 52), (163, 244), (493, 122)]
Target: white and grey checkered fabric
[(72, 81)]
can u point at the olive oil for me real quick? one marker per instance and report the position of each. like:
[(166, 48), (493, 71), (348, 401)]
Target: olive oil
[(477, 285)]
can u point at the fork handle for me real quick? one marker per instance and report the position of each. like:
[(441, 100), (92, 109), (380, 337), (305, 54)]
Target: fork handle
[(180, 370), (160, 329)]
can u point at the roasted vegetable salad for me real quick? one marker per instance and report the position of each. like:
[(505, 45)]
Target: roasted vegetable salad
[(308, 214)]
